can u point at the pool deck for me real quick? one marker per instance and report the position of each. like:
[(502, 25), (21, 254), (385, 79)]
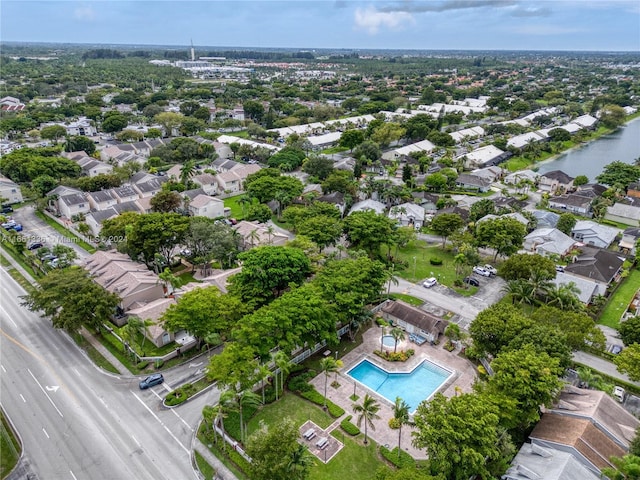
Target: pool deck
[(463, 378)]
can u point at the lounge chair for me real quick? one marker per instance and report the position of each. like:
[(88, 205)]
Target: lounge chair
[(322, 442)]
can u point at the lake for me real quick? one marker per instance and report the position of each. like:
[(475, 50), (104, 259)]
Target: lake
[(590, 159)]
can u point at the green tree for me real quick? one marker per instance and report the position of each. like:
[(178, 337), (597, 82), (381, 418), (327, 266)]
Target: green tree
[(367, 411), (43, 184), (504, 234), (619, 174), (401, 416), (260, 213), (203, 311), (387, 133), (71, 299), (580, 180), (369, 231), (460, 435), (166, 201), (625, 468), (351, 139), (577, 326), (544, 340), (276, 453), (480, 209), (169, 121), (566, 222), (267, 271), (495, 327), (398, 336), (339, 181), (446, 224), (630, 330), (156, 234), (612, 116), (322, 230), (522, 266), (318, 166), (114, 122), (53, 132), (628, 361)]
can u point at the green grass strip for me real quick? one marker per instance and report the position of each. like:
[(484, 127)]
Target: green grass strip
[(65, 232)]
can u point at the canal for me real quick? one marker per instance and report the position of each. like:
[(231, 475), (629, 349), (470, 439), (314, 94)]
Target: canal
[(590, 159)]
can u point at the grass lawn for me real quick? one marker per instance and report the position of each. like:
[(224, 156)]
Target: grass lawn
[(236, 208), (355, 461), (417, 255), (336, 149), (94, 354), (297, 409), (187, 277), (9, 447), (207, 470), (620, 300), (411, 300), (65, 233)]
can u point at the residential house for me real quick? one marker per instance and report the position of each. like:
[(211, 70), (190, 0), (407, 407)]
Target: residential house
[(534, 462), (597, 264), (592, 190), (256, 235), (400, 153), (463, 212), (546, 219), (491, 173), (92, 167), (484, 157), (587, 288), (224, 165), (82, 126), (102, 199), (621, 213), (468, 181), (207, 182), (368, 204), (589, 425), (426, 200), (73, 204), (515, 215), (206, 206), (572, 202), (11, 104), (555, 181), (95, 219), (586, 121), (347, 163), (592, 233), (149, 188), (467, 134), (220, 278), (319, 142), (9, 191), (633, 190), (334, 198), (125, 193), (408, 214), (174, 172), (521, 141), (232, 181), (133, 282), (522, 176), (629, 241), (548, 241), (151, 314), (414, 320)]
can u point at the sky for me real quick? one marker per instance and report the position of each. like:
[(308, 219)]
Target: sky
[(600, 25)]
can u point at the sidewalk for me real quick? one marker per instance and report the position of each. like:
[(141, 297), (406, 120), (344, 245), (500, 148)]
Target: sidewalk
[(222, 472), (18, 267), (104, 352), (601, 365)]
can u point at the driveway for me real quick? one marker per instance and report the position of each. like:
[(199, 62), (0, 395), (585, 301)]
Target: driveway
[(35, 228)]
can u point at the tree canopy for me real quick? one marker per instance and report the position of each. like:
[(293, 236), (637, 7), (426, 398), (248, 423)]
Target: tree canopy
[(619, 174), (369, 231)]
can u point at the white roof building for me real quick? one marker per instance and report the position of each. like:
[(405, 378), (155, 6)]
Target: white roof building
[(422, 146), (467, 134), (320, 141), (586, 121), (228, 139), (368, 205), (482, 156), (520, 141)]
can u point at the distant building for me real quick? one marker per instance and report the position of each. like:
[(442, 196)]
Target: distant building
[(9, 191)]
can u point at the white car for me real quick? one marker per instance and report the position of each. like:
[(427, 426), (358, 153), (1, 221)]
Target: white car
[(491, 269), (429, 282), (482, 271)]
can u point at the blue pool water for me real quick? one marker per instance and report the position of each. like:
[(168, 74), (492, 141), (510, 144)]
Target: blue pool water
[(388, 341), (413, 387)]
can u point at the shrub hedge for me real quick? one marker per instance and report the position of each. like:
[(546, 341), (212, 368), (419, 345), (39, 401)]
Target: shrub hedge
[(401, 356), (349, 427), (315, 397), (405, 460), (435, 261)]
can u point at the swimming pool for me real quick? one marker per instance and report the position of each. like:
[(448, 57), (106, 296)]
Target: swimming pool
[(388, 341), (413, 387)]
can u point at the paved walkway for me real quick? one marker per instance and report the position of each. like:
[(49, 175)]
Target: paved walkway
[(95, 343), (17, 266), (602, 365), (222, 472)]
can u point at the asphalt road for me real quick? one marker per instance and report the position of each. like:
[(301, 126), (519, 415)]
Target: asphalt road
[(78, 422)]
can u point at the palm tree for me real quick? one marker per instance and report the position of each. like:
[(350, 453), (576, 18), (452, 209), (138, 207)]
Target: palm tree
[(209, 414), (270, 231), (398, 335), (520, 291), (225, 405), (327, 365), (540, 283), (253, 236), (284, 364), (244, 200), (187, 171), (364, 316), (264, 372), (368, 412), (299, 463), (401, 415), (241, 400)]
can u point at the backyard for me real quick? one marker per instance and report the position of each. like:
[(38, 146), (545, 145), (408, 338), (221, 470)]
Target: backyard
[(236, 207), (620, 300)]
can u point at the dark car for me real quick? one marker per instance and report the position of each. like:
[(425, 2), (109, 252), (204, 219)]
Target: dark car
[(7, 209), (34, 245), (151, 381), (471, 281)]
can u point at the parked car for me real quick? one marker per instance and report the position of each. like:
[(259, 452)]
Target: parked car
[(619, 393), (7, 209), (559, 268), (482, 271), (48, 257), (471, 281), (491, 269), (8, 225), (429, 282), (14, 226), (34, 245), (151, 381)]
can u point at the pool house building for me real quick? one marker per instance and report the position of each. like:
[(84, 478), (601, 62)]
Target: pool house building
[(416, 322)]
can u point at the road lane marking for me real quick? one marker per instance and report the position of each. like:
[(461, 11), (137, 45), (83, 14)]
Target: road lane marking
[(181, 419), (8, 316), (45, 432), (74, 477), (136, 440), (169, 389), (44, 391), (23, 398), (77, 372), (3, 369), (161, 423)]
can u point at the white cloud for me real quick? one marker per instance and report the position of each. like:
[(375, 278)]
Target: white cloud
[(84, 14), (373, 20), (544, 30)]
